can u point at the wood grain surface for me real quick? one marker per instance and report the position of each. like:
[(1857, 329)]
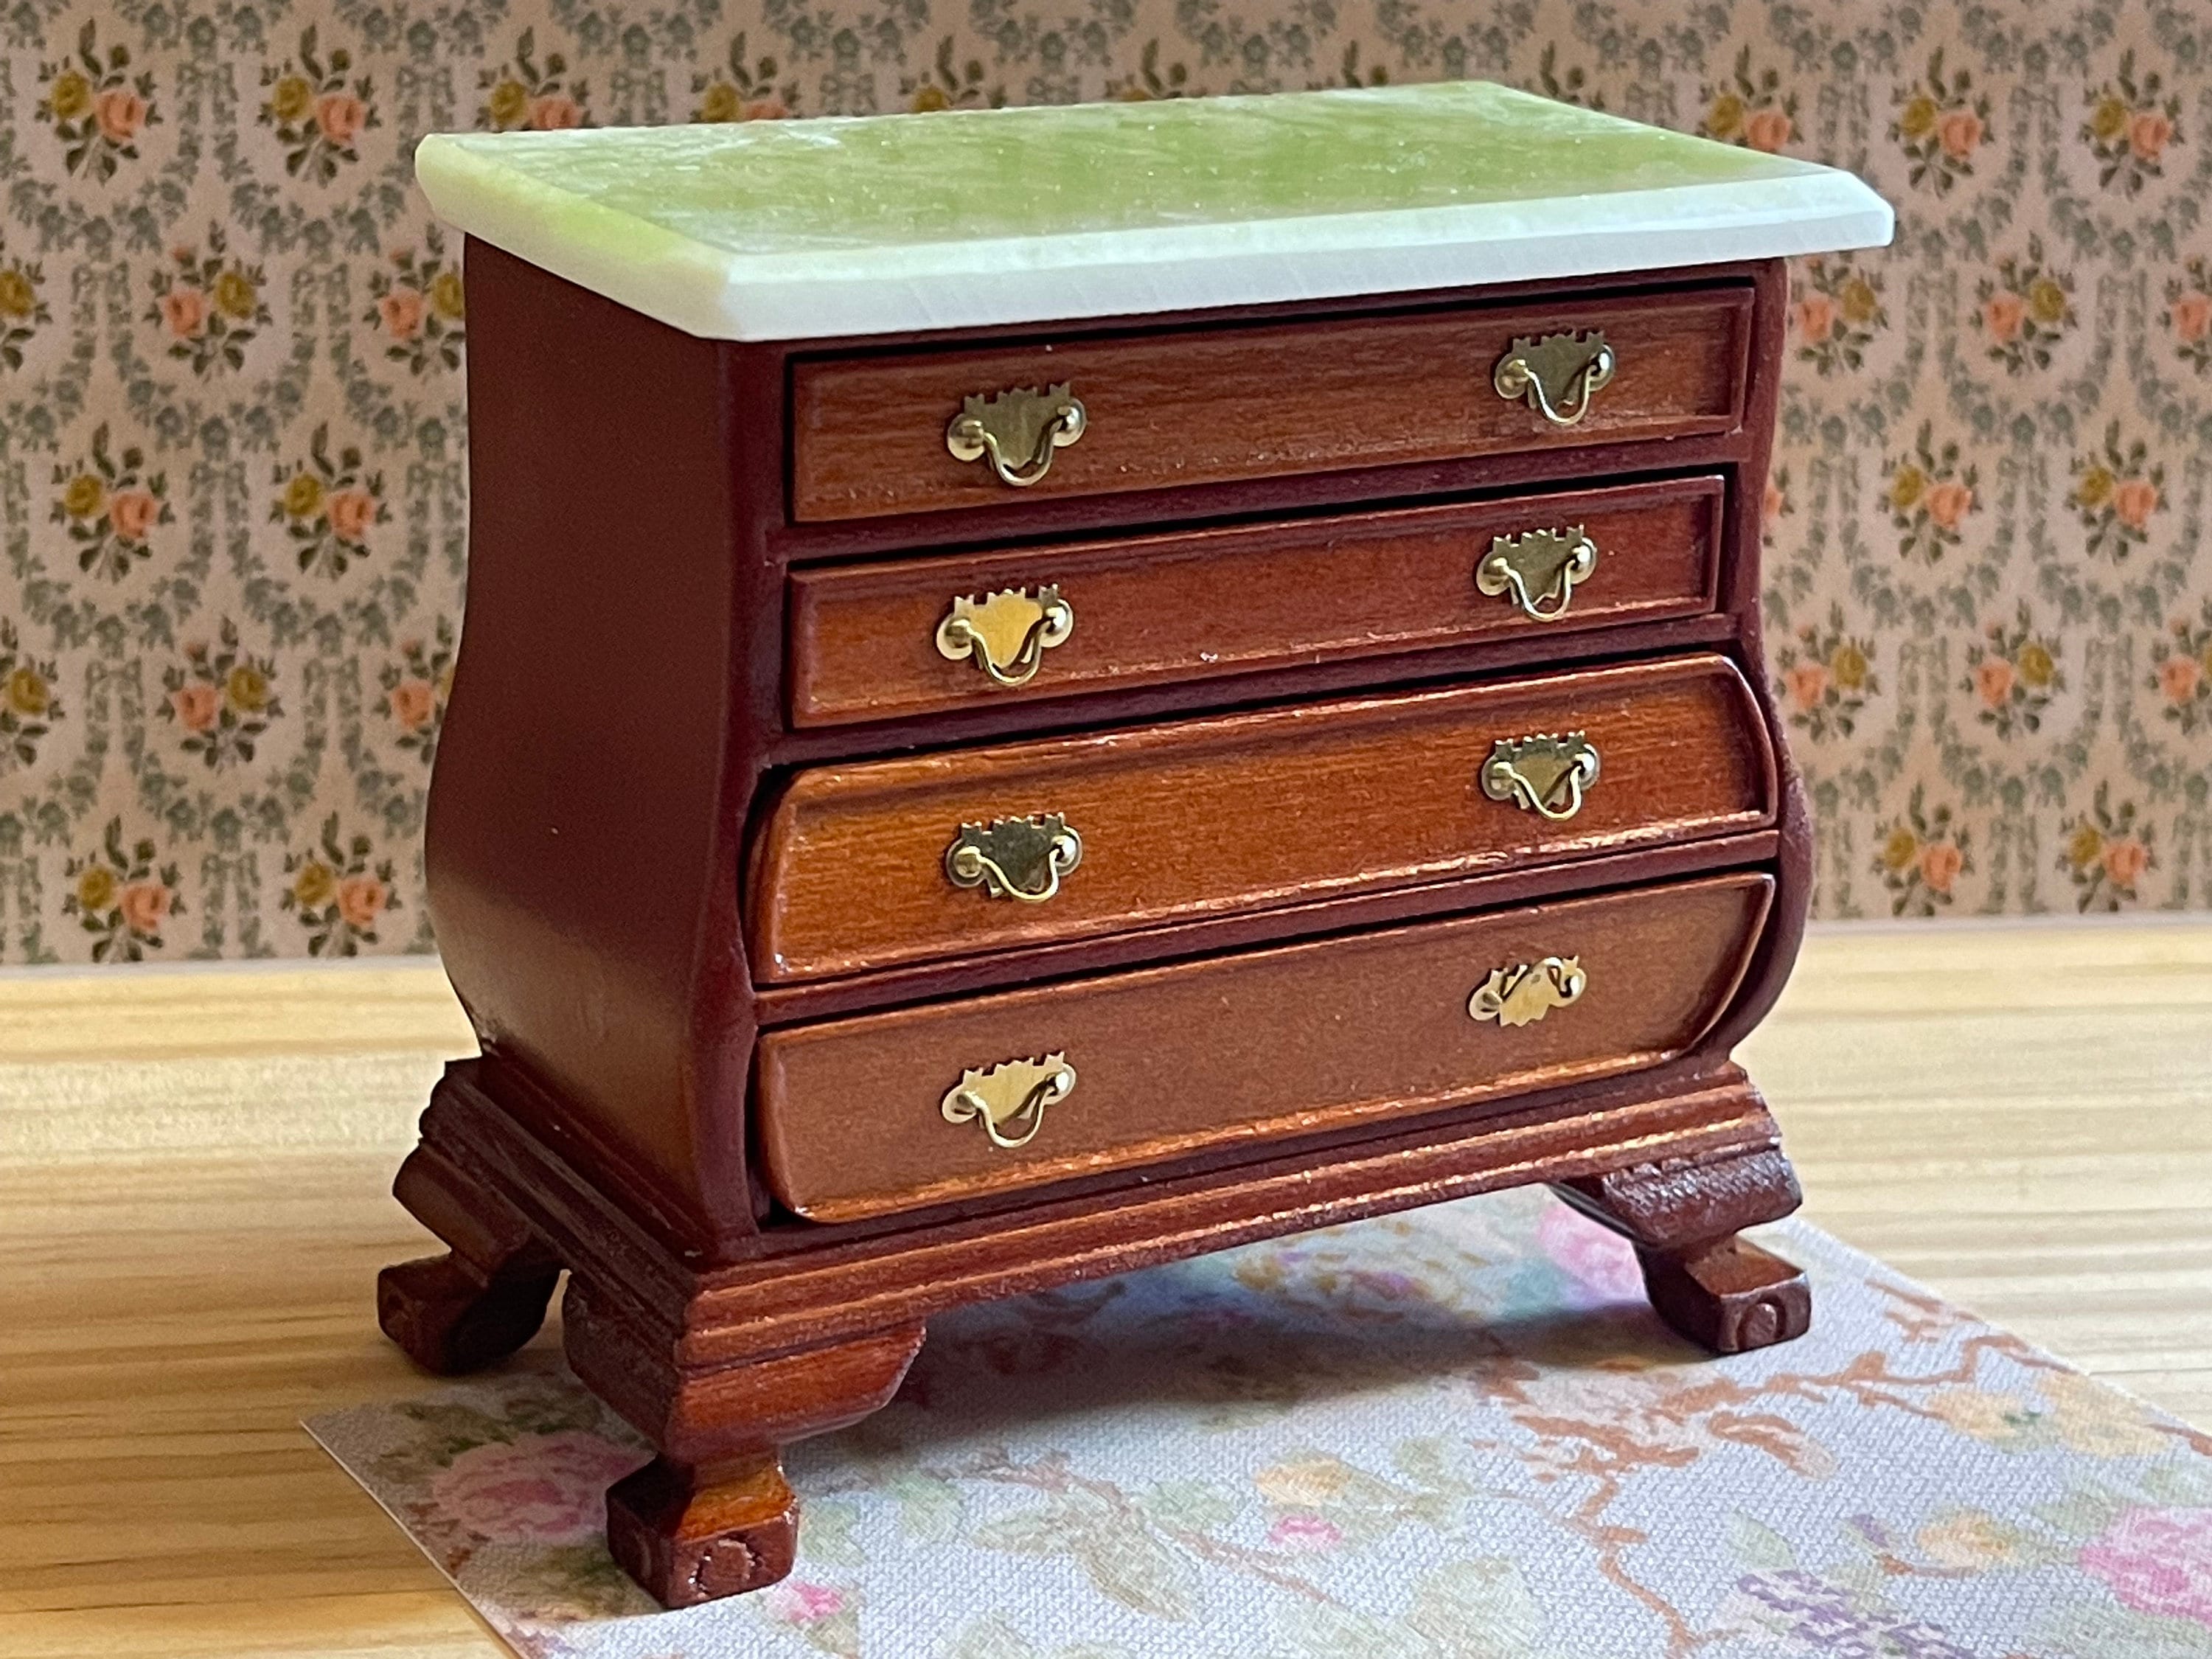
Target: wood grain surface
[(1242, 810), (1196, 603), (194, 1202), (1200, 405), (1177, 1059)]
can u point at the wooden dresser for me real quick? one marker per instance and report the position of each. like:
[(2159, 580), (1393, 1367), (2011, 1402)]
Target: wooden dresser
[(1045, 691)]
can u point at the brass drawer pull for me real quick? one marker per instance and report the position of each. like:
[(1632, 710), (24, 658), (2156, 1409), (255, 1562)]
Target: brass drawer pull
[(1546, 773), (1019, 858), (1524, 994), (1558, 374), (1539, 568), (1012, 1093), (1018, 430), (1006, 634)]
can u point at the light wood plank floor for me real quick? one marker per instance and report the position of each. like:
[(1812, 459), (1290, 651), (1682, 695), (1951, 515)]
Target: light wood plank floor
[(193, 1169)]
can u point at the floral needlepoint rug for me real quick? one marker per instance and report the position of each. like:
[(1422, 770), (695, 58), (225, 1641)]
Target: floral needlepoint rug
[(1454, 1434)]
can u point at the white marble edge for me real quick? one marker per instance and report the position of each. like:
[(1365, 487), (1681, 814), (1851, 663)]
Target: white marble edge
[(829, 294)]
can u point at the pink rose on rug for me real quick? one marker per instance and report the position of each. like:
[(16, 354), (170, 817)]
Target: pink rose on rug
[(799, 1602), (1305, 1532), (2158, 1561), (542, 1489), (1598, 1259)]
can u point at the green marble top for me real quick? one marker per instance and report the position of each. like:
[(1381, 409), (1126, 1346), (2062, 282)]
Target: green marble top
[(780, 229)]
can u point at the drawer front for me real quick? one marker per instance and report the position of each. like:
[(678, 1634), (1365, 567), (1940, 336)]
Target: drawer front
[(853, 1119), (875, 434), (861, 867), (886, 640)]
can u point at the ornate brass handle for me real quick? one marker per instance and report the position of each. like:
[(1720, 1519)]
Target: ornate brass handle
[(1558, 374), (1019, 858), (1546, 773), (1018, 430), (1014, 1092), (1524, 994), (1539, 568), (1007, 634)]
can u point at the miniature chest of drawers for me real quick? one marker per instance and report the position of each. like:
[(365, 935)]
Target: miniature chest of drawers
[(1047, 690)]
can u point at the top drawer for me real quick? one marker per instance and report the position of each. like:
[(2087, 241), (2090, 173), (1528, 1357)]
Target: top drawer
[(874, 434)]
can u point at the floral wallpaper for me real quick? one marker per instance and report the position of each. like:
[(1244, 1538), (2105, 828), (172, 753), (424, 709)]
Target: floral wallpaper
[(232, 341)]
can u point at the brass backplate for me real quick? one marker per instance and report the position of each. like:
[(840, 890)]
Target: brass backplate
[(1018, 859), (1545, 772), (1006, 632), (1558, 374), (1008, 1096), (1538, 570), (1525, 993), (1018, 430)]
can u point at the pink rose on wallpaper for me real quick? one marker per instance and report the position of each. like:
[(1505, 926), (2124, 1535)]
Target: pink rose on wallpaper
[(542, 1489), (1993, 677), (2003, 314), (184, 310), (402, 312), (1816, 317), (341, 115), (553, 114), (2134, 500), (1596, 1258), (2158, 1561), (1960, 133), (1939, 864), (133, 512), (1305, 1532), (764, 109), (1767, 130), (2126, 859), (2148, 135), (361, 899), (799, 1602), (120, 113), (2178, 678), (1774, 501), (196, 705), (351, 512), (1949, 503), (1808, 683), (2191, 316), (412, 702), (145, 905)]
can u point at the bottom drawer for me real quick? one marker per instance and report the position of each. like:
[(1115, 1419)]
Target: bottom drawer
[(884, 1112)]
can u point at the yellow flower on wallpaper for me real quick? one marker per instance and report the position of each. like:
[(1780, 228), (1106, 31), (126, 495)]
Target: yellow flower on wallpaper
[(313, 884), (292, 98), (86, 497), (509, 102), (70, 96), (235, 294), (1906, 487), (303, 496), (28, 692), (95, 888)]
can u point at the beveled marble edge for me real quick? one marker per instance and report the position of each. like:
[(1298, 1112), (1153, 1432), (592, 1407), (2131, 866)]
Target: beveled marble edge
[(827, 293)]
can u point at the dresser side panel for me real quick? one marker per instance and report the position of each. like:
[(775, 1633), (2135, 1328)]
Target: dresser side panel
[(577, 826)]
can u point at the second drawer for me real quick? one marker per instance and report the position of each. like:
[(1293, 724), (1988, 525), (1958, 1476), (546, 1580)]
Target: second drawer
[(863, 867), (881, 641)]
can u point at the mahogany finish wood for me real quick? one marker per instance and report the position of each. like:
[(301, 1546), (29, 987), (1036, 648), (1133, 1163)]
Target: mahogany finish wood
[(1242, 810), (1209, 405), (621, 729), (1178, 1059), (1152, 609)]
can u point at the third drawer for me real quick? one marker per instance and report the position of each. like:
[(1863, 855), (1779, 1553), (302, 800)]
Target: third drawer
[(853, 867)]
